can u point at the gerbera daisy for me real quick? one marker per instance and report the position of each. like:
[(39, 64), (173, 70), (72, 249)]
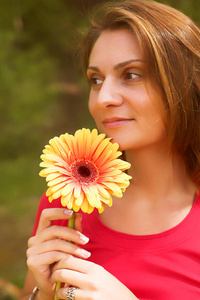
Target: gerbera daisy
[(84, 170)]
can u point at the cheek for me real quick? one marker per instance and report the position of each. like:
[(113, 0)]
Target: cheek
[(92, 108)]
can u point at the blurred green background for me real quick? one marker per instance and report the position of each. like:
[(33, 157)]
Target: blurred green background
[(42, 94)]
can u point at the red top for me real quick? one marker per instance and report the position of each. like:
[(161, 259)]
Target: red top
[(164, 266)]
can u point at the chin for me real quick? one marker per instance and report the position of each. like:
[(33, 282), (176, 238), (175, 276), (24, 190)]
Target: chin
[(122, 144)]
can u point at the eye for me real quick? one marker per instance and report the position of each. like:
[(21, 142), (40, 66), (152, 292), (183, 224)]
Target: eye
[(131, 75), (95, 81)]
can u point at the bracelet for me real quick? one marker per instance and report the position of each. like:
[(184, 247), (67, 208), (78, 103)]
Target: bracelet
[(34, 292)]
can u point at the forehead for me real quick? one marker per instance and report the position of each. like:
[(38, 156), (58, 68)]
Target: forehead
[(115, 46)]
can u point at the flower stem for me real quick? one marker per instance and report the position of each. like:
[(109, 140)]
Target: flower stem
[(70, 225), (58, 285), (71, 222)]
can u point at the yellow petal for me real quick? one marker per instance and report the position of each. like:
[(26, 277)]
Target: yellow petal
[(57, 194), (110, 173), (108, 201), (57, 187), (117, 163), (63, 201), (113, 153), (103, 192), (100, 210), (66, 199), (53, 176), (77, 191), (116, 191), (70, 202), (50, 198), (96, 142), (90, 209), (84, 205), (80, 140), (74, 146), (43, 173), (53, 169), (103, 158), (55, 158), (48, 192), (92, 197), (79, 199), (45, 164), (57, 180), (55, 144), (67, 139), (94, 134), (88, 144), (75, 207), (68, 188), (100, 149)]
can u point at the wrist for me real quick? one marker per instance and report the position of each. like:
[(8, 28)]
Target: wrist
[(37, 294), (34, 293), (43, 296)]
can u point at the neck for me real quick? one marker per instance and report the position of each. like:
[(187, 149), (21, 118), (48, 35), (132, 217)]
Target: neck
[(159, 197), (158, 173)]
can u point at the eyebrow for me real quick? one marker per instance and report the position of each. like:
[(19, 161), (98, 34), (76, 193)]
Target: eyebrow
[(125, 63), (117, 66)]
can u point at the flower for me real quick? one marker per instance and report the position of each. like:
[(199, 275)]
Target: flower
[(84, 170)]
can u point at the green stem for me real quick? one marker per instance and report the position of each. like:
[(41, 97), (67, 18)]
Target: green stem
[(70, 225), (71, 222), (58, 285)]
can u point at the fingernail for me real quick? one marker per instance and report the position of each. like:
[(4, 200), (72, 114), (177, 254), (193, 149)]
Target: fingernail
[(68, 212), (85, 253), (84, 239)]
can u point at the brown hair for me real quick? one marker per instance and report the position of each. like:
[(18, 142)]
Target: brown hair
[(171, 44)]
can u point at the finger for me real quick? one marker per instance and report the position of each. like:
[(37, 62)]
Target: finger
[(76, 264), (64, 233), (77, 224), (78, 294), (71, 277), (35, 262), (51, 214), (58, 245)]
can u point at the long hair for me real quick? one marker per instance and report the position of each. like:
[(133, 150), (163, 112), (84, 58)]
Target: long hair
[(171, 45)]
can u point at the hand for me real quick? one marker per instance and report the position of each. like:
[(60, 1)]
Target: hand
[(52, 244), (93, 281)]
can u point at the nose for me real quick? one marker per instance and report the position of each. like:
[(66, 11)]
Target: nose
[(109, 93)]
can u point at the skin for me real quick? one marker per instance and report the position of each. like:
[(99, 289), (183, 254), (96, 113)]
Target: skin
[(125, 105), (119, 101)]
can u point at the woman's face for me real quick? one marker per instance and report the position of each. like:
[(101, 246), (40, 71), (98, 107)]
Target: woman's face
[(122, 101)]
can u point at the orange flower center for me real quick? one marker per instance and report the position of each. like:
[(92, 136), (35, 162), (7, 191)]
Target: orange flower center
[(84, 171)]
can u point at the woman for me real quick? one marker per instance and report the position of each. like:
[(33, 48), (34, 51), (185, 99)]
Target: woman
[(143, 64)]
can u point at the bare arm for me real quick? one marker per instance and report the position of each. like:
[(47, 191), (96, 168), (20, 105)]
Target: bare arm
[(29, 285)]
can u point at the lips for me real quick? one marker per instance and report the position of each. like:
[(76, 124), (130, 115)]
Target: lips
[(116, 122)]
